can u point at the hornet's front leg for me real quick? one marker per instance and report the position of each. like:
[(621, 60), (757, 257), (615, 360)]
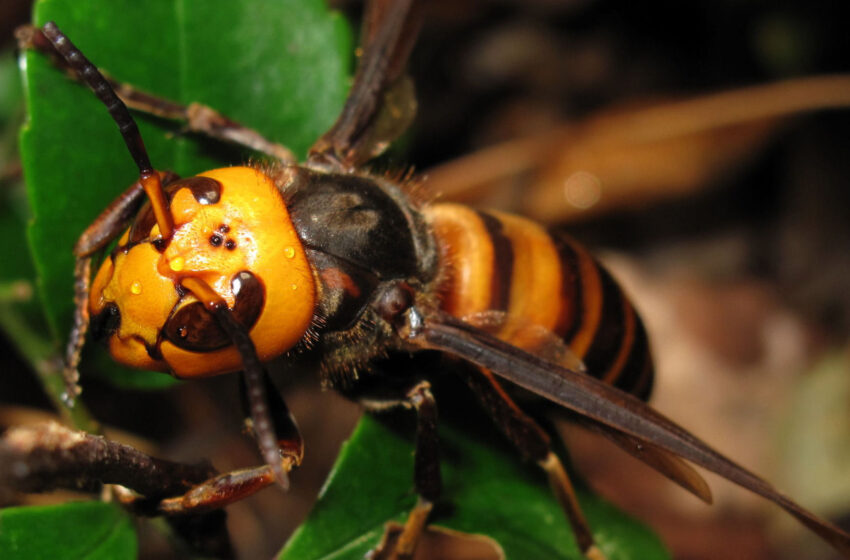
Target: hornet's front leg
[(103, 231), (274, 428), (233, 486)]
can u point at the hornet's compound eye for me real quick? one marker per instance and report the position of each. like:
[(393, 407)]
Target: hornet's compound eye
[(195, 329)]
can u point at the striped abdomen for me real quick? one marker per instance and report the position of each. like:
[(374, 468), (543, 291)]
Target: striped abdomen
[(504, 263)]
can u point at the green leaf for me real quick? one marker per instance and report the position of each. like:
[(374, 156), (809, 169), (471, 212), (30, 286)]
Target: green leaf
[(21, 315), (489, 491), (84, 530), (280, 66), (17, 266), (11, 104)]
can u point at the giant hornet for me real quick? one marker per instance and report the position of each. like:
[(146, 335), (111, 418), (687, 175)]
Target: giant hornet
[(226, 270)]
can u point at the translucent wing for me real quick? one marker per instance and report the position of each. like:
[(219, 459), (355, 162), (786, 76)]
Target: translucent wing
[(549, 347), (659, 459), (534, 339), (600, 403)]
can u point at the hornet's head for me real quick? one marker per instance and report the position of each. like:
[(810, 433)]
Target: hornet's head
[(231, 230)]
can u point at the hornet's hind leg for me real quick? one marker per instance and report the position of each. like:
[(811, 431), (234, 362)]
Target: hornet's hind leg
[(534, 445)]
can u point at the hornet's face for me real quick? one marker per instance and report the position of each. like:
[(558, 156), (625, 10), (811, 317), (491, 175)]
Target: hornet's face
[(233, 231)]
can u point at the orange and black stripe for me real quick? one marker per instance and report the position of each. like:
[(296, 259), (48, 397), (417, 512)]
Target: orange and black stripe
[(504, 263)]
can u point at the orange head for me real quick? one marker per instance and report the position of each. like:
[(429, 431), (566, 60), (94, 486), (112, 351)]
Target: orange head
[(232, 231)]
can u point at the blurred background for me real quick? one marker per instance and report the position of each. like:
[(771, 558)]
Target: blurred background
[(725, 218)]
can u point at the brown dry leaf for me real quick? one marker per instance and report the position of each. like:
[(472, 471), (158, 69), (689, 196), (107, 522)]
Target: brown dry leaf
[(626, 156), (439, 543)]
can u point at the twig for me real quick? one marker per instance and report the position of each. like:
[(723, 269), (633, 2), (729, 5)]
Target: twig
[(50, 456)]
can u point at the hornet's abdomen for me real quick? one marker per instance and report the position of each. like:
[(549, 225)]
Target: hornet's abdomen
[(496, 262)]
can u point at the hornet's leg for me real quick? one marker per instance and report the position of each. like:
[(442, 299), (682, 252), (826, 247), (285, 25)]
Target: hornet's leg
[(534, 445), (273, 426), (105, 229), (198, 118), (426, 470), (380, 104), (233, 486)]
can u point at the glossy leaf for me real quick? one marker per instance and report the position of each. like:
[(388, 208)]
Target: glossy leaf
[(278, 66), (21, 315), (13, 212), (488, 490), (73, 531)]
